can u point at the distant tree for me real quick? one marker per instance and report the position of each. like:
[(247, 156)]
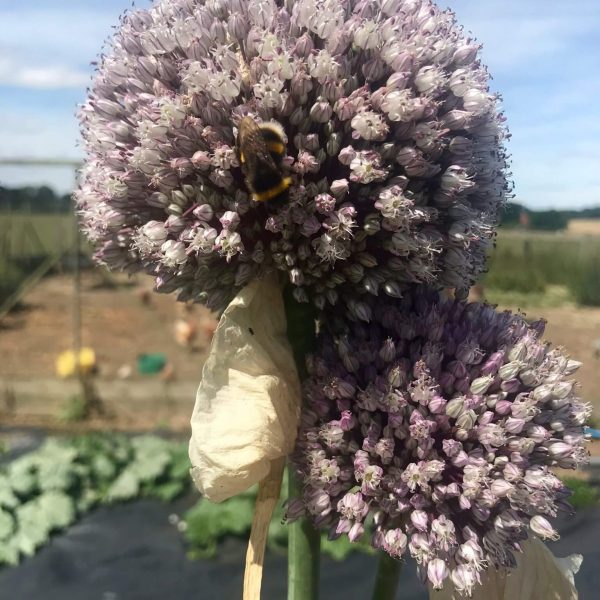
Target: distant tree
[(548, 220), (511, 214), (40, 199), (45, 200)]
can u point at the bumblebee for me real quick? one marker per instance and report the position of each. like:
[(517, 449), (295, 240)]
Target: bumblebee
[(261, 149)]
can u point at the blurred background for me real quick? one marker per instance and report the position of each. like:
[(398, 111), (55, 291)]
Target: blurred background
[(141, 354)]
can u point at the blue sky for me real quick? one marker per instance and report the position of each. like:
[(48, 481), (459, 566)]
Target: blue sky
[(543, 54)]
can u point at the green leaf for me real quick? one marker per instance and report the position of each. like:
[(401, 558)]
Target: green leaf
[(88, 499), (103, 468), (55, 475), (9, 554), (7, 496), (7, 524), (207, 523), (151, 467), (32, 530), (167, 491), (145, 445), (180, 463), (21, 475), (125, 487), (58, 509)]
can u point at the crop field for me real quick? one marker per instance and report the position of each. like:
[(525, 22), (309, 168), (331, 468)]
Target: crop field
[(26, 241), (545, 269), (23, 235)]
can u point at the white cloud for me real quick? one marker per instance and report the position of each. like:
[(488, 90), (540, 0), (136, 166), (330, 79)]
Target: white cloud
[(515, 33), (70, 35), (41, 77)]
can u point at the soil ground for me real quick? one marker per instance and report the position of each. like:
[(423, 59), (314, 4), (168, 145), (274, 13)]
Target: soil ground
[(119, 321)]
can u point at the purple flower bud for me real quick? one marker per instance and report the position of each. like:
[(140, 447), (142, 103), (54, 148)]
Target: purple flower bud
[(481, 384), (503, 407), (542, 393), (466, 420), (501, 487), (437, 405), (356, 532), (493, 364), (321, 111), (464, 579), (201, 160), (509, 370), (510, 386), (571, 367), (437, 572), (347, 155), (455, 407), (339, 187), (562, 389), (395, 542), (294, 509), (204, 212), (460, 459), (388, 350), (451, 447), (230, 220), (465, 54), (543, 528), (514, 425), (419, 519), (559, 449)]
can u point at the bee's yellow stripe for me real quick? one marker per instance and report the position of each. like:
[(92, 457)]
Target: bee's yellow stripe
[(242, 158), (276, 147), (274, 191)]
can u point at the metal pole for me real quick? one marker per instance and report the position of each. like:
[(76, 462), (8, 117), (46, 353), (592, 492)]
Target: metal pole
[(76, 289), (41, 162)]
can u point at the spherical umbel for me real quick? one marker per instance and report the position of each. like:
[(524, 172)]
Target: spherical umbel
[(394, 147), (442, 420)]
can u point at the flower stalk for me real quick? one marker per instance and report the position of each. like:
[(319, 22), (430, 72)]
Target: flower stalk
[(387, 578), (304, 541)]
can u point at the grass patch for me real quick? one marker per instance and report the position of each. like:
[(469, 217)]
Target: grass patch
[(584, 495), (551, 297), (74, 409), (527, 265)]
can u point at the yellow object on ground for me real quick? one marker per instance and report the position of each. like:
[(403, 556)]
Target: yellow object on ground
[(66, 363)]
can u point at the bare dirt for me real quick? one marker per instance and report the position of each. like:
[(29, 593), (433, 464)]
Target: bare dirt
[(118, 323)]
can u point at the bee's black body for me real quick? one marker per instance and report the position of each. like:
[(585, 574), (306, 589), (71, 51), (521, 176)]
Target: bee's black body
[(261, 149)]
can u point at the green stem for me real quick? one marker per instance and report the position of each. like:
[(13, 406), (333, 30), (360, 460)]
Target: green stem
[(388, 576), (304, 541), (304, 553)]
